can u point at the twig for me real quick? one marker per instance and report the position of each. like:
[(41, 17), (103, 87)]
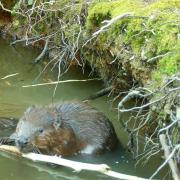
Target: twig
[(77, 166), (143, 106), (153, 59), (60, 82), (110, 22), (10, 149), (169, 126), (168, 156), (174, 89), (23, 40), (43, 52), (10, 75), (129, 96), (10, 11), (172, 164)]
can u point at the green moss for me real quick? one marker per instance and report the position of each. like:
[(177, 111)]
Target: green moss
[(105, 10), (168, 66), (163, 5), (97, 14), (153, 32)]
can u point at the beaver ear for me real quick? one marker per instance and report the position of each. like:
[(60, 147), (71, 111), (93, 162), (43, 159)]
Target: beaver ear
[(29, 109)]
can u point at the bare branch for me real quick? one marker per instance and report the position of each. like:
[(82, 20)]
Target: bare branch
[(43, 52), (9, 75), (10, 11), (169, 126), (129, 96), (60, 82), (77, 166), (110, 22), (143, 106), (23, 40), (153, 59), (168, 157)]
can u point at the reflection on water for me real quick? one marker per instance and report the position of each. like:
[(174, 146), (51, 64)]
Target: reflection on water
[(14, 99)]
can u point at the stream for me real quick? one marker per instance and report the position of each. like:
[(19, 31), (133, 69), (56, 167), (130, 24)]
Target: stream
[(14, 99)]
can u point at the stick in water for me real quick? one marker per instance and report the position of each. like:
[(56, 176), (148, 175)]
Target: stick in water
[(77, 166), (60, 82), (10, 75)]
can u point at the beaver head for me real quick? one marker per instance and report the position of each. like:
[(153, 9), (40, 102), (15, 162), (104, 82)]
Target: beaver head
[(36, 123)]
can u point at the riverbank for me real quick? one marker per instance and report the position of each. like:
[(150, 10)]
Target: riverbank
[(132, 45)]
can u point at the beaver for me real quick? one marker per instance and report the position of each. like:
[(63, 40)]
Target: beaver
[(64, 129)]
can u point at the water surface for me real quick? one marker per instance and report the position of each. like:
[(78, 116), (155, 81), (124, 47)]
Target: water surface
[(14, 99)]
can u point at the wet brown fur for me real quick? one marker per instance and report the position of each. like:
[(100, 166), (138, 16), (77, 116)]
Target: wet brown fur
[(68, 129), (68, 143)]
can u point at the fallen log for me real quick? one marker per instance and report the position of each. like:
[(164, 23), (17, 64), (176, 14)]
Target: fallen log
[(77, 166)]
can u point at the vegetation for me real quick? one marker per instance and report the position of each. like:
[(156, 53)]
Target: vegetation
[(151, 35), (134, 45)]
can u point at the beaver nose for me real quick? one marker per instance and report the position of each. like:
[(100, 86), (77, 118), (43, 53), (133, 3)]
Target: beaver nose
[(21, 143)]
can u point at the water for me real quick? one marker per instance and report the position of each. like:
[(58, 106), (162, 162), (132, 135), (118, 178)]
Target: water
[(14, 99)]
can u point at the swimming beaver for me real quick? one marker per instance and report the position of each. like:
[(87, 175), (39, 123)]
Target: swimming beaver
[(64, 129)]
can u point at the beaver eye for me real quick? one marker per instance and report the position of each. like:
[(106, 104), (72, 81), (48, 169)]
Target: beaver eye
[(41, 130)]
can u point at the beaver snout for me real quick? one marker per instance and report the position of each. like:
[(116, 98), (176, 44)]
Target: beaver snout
[(21, 143)]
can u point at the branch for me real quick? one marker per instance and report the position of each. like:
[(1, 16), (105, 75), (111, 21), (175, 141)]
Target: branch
[(168, 156), (174, 89), (167, 152), (60, 82), (23, 40), (153, 59), (43, 52), (10, 11), (9, 75), (143, 106), (129, 96), (169, 126), (110, 22), (77, 166)]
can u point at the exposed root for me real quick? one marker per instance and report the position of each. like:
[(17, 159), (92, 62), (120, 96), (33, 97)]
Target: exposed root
[(167, 122), (168, 158)]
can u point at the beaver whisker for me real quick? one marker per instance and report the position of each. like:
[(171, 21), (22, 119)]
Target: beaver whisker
[(7, 141), (36, 149)]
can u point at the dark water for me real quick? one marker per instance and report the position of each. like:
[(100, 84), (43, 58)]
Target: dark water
[(14, 99)]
